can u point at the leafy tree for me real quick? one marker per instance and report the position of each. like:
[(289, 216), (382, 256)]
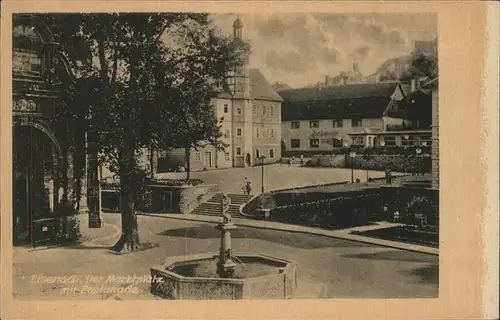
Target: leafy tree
[(210, 59), (421, 65), (134, 79)]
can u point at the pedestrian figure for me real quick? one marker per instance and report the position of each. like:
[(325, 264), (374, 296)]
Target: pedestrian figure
[(388, 175), (301, 159), (248, 187), (244, 187)]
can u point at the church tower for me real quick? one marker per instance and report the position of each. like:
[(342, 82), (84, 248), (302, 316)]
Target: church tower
[(241, 74), (242, 109)]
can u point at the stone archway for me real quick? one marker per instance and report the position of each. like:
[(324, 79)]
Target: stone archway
[(37, 172)]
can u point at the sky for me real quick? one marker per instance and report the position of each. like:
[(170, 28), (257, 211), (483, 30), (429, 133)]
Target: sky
[(301, 49)]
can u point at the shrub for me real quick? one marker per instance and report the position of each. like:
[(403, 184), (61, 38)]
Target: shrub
[(420, 205), (341, 212), (177, 182)]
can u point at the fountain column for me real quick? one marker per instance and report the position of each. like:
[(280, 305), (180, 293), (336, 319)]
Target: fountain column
[(225, 263)]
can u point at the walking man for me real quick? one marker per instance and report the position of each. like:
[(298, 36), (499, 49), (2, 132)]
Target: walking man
[(244, 186), (248, 188)]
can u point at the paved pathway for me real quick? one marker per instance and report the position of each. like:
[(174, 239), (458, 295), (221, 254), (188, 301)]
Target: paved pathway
[(328, 267), (276, 177), (340, 234)]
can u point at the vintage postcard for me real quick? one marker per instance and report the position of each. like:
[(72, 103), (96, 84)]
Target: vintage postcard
[(313, 161)]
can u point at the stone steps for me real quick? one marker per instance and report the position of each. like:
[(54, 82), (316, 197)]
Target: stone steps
[(214, 209)]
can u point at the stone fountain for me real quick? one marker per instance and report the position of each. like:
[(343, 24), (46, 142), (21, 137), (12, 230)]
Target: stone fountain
[(224, 275)]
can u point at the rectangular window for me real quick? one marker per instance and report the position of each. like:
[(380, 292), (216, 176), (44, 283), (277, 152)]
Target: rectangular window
[(271, 110), (239, 132), (271, 153), (314, 143), (257, 153), (357, 141), (337, 123), (239, 111), (254, 110), (257, 133), (271, 133), (338, 143), (295, 124), (226, 156), (226, 108), (314, 124), (226, 133), (356, 122), (197, 156), (264, 111), (407, 142), (390, 141), (295, 143), (426, 140), (238, 151)]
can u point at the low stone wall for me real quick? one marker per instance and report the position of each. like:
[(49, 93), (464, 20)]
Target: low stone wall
[(192, 197), (164, 199), (397, 163)]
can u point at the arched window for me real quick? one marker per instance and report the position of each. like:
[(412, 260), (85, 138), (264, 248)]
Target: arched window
[(26, 55)]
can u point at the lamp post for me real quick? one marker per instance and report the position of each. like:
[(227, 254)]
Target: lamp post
[(418, 151), (407, 137), (352, 155), (261, 158)]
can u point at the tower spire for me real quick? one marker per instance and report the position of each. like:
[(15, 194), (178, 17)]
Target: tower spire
[(238, 27)]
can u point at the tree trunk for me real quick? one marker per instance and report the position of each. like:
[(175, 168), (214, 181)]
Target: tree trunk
[(188, 163), (151, 162), (129, 240)]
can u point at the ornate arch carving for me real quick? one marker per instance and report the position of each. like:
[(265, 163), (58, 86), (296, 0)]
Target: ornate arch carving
[(58, 156), (40, 26)]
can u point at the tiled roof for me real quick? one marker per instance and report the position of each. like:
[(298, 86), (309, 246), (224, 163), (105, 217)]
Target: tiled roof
[(337, 102), (348, 91), (260, 88)]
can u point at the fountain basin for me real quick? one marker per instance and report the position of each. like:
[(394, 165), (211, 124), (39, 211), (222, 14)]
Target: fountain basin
[(194, 277)]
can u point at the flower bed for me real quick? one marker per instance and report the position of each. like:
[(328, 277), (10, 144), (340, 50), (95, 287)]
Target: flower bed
[(115, 185), (343, 211), (379, 162), (407, 234)]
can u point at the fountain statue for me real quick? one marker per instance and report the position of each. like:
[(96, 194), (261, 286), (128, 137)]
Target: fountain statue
[(208, 276), (225, 263)]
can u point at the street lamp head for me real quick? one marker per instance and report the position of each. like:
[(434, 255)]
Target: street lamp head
[(352, 154), (418, 151)]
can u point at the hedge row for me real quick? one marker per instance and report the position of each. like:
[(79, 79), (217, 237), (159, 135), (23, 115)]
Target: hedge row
[(163, 182), (352, 208), (340, 212)]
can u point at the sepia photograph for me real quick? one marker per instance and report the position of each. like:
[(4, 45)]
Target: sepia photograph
[(223, 156)]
